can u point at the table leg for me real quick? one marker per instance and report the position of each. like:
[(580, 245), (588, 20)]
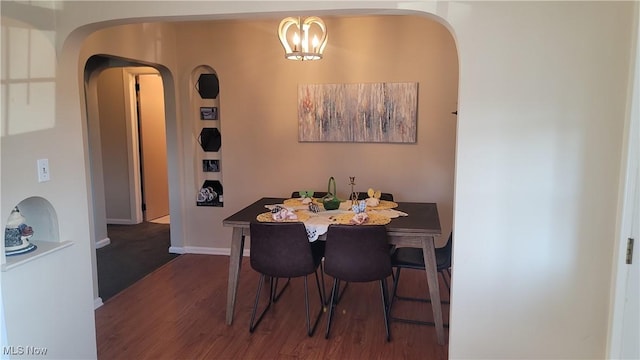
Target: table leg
[(235, 259), (428, 250)]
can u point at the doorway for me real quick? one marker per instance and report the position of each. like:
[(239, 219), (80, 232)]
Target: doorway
[(152, 147), (129, 171), (133, 144)]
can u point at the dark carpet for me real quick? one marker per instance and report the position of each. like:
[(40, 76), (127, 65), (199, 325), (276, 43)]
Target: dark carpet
[(135, 251)]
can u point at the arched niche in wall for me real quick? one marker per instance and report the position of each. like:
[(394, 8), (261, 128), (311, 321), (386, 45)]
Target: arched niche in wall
[(205, 101), (42, 217)]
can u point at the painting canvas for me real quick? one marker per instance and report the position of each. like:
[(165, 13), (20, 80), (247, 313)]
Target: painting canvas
[(367, 112)]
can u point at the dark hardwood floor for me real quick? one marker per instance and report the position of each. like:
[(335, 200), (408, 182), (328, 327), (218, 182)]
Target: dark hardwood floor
[(134, 252), (178, 312)]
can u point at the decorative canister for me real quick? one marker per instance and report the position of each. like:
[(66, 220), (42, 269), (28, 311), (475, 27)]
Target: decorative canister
[(17, 234)]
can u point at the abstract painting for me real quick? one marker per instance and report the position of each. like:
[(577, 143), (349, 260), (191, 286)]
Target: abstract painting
[(366, 112)]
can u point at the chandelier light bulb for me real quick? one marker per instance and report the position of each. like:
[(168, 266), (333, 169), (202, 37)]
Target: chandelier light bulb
[(296, 39)]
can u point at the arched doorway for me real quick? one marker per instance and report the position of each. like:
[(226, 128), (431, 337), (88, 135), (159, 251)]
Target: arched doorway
[(128, 149)]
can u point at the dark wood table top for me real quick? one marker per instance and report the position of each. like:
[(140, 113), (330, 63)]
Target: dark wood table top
[(423, 218)]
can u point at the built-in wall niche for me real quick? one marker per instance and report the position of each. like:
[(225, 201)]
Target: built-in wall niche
[(205, 103), (41, 216)]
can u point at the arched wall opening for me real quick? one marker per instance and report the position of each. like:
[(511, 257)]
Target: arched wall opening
[(251, 100), (129, 161), (549, 156), (258, 114)]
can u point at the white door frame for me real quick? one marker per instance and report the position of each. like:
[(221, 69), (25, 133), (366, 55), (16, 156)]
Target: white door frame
[(623, 337)]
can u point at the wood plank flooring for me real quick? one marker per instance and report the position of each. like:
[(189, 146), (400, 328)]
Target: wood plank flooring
[(134, 252), (178, 312)]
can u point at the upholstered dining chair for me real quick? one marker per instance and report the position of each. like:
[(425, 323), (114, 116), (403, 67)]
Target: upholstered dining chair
[(283, 250), (316, 194), (357, 253), (413, 258)]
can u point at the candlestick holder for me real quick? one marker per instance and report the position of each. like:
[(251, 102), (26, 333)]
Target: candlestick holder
[(354, 195)]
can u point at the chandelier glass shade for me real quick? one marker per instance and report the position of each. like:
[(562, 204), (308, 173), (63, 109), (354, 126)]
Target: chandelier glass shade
[(303, 38)]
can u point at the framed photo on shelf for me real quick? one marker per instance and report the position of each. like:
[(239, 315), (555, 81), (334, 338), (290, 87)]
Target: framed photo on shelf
[(209, 165), (209, 113)]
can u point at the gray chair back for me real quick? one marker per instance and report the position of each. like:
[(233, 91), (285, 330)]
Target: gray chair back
[(281, 250), (357, 253)]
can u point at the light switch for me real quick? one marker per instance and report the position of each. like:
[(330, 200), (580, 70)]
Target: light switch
[(43, 170)]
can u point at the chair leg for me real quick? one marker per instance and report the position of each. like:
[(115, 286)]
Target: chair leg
[(277, 296), (252, 324), (332, 304), (311, 330), (444, 278), (325, 297), (341, 292), (321, 290), (385, 307), (306, 306), (396, 280), (394, 296), (322, 302)]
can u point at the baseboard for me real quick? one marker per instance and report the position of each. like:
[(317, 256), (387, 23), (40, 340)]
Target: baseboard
[(102, 243), (204, 250), (176, 250), (97, 302), (121, 222)]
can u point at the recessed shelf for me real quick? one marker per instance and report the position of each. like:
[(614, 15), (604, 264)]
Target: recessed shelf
[(210, 194), (44, 248)]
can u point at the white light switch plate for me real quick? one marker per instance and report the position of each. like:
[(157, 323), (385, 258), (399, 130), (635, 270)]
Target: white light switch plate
[(43, 170)]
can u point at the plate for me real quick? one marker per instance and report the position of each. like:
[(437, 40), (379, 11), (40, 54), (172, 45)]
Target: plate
[(25, 250)]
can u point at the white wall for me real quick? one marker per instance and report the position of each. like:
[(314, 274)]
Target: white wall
[(48, 302), (542, 108), (113, 144)]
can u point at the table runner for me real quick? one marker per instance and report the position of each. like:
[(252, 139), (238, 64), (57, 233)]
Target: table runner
[(318, 223)]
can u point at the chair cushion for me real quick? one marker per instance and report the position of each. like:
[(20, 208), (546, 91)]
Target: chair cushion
[(410, 257)]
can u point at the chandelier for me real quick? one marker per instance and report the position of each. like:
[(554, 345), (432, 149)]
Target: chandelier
[(303, 39)]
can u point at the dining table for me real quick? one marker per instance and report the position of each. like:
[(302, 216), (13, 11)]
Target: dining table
[(418, 228)]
